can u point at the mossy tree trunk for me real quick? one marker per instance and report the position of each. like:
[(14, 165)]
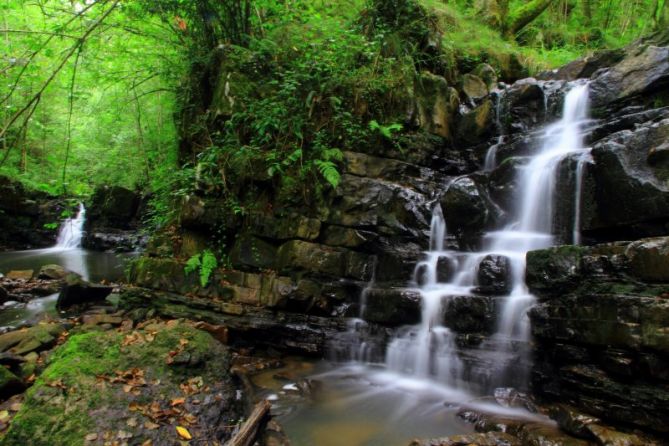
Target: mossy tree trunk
[(519, 18)]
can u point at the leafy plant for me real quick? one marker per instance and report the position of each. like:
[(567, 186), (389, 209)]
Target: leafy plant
[(205, 263), (385, 130)]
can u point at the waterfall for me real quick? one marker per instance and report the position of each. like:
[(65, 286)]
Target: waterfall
[(427, 350), (72, 230)]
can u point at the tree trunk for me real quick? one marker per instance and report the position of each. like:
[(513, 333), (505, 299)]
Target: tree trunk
[(524, 15), (587, 11)]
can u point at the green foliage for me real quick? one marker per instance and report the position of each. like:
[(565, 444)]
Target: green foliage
[(205, 263), (385, 130)]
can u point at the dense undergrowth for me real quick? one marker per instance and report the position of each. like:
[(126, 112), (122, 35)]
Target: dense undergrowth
[(312, 79)]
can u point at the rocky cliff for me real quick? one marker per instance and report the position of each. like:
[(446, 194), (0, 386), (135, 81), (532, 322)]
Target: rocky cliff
[(601, 318)]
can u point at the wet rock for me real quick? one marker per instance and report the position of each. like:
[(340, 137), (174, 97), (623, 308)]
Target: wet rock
[(394, 209), (467, 207), (37, 338), (536, 434), (445, 269), (436, 104), (77, 291), (494, 275), (4, 295), (649, 259), (572, 421), (553, 271), (510, 397), (524, 105), (605, 436), (470, 314), (477, 125), (586, 66), (643, 71), (486, 439), (275, 329), (21, 275), (474, 87), (392, 306), (10, 384), (52, 272), (629, 194), (600, 330)]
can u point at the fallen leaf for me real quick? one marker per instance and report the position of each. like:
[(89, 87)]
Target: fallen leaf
[(127, 388), (15, 407), (148, 442), (4, 415), (183, 433), (123, 435), (91, 437), (132, 422), (177, 401), (151, 425)]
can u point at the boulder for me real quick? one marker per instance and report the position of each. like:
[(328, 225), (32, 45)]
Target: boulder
[(4, 295), (474, 88), (477, 125), (37, 338), (487, 74), (630, 195), (77, 291), (494, 275), (112, 206), (10, 384), (436, 104), (572, 421), (52, 272), (467, 207), (642, 72)]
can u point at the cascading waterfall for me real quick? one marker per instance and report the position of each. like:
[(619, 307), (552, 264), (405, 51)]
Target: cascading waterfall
[(72, 231), (428, 350)]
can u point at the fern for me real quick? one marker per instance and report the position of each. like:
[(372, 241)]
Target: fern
[(385, 130), (209, 264), (204, 262), (192, 264), (329, 171)]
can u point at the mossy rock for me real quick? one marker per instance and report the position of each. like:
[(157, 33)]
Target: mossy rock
[(80, 394)]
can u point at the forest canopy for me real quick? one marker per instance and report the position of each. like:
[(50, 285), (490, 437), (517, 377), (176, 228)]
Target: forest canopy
[(91, 88)]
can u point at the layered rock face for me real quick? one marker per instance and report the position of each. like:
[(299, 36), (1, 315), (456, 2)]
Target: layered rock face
[(294, 271), (113, 219), (23, 216), (601, 329)]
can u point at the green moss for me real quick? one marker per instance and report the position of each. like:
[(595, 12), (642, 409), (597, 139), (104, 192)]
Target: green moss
[(67, 401), (84, 354)]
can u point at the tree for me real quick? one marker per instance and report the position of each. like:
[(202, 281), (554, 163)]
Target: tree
[(512, 20)]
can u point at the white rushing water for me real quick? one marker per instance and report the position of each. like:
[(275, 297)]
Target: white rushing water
[(72, 231), (427, 350)]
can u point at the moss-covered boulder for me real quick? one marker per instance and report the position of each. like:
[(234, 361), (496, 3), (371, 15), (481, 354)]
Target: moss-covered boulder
[(106, 387)]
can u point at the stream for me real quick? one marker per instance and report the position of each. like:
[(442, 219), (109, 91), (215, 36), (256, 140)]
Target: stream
[(91, 265)]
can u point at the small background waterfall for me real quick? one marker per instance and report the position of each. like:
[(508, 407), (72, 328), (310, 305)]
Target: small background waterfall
[(429, 351), (72, 230)]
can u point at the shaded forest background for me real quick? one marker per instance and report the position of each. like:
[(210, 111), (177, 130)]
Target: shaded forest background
[(95, 92)]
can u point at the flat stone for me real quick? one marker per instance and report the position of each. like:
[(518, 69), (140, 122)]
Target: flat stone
[(21, 274)]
